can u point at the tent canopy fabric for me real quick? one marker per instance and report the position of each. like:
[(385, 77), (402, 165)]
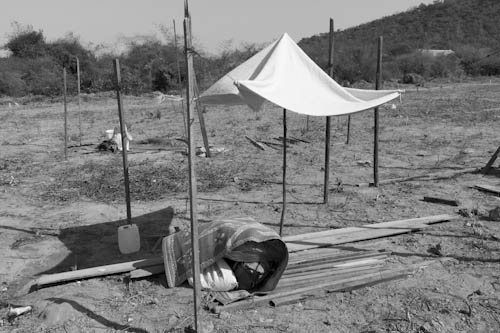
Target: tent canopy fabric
[(284, 75)]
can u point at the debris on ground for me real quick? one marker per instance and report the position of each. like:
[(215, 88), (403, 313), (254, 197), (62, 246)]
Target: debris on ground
[(108, 145), (494, 214), (436, 250)]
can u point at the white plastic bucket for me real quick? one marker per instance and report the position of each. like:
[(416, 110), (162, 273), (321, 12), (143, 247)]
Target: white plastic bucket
[(109, 134)]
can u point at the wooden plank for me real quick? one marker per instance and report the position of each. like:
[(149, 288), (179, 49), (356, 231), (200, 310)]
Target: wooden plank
[(357, 234), (96, 271), (147, 271), (441, 175), (407, 223), (442, 201), (298, 139), (488, 188), (255, 143)]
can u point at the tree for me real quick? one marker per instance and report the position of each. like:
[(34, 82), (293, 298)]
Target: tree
[(25, 42)]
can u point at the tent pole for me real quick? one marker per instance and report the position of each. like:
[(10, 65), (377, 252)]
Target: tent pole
[(326, 181), (65, 91), (378, 86), (282, 220), (116, 67), (79, 98), (192, 175), (348, 129)]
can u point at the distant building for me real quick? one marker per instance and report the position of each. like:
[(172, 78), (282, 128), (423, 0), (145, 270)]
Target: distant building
[(436, 53)]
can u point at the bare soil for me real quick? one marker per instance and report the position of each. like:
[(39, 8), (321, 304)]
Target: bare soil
[(60, 214)]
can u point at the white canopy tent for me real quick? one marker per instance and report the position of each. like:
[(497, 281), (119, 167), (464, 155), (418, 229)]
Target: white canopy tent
[(284, 75)]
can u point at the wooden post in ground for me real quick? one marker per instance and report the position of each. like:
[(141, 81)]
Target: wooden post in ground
[(348, 129), (201, 118), (79, 99), (378, 85), (492, 160), (179, 78), (192, 176), (116, 67), (282, 220), (65, 91), (328, 121)]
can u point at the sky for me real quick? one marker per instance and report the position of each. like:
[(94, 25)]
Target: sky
[(215, 22)]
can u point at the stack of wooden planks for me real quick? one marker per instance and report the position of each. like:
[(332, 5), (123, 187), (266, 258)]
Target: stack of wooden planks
[(309, 272), (325, 266)]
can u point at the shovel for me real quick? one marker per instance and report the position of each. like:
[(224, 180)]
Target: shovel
[(129, 240)]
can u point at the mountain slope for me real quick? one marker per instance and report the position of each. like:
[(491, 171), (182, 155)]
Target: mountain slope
[(448, 24)]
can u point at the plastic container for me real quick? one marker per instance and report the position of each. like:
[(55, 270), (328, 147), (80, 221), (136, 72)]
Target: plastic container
[(129, 240), (109, 134)]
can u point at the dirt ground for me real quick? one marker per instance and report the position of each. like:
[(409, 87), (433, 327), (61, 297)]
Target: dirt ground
[(57, 215)]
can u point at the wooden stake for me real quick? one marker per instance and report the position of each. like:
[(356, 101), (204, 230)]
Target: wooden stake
[(192, 176), (328, 122), (79, 99), (199, 109), (65, 91), (116, 66), (282, 220), (348, 129), (378, 86)]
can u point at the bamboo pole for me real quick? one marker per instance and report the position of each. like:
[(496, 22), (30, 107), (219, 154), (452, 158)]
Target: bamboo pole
[(192, 175), (378, 86), (65, 91), (179, 78), (79, 99), (116, 66), (283, 209), (326, 181)]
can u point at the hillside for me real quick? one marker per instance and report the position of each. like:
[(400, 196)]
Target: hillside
[(460, 25)]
